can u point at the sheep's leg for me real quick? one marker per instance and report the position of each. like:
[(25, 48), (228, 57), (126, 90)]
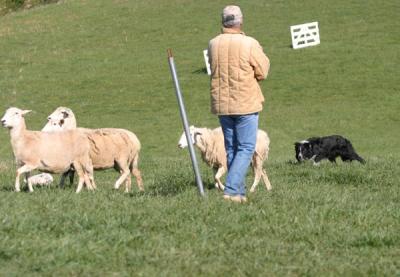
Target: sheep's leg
[(80, 184), (139, 180), (93, 184), (61, 184), (125, 173), (266, 180), (30, 186), (88, 174), (136, 172), (220, 172), (71, 174), (62, 180), (256, 165), (23, 169), (80, 172), (27, 174), (88, 178), (258, 173), (89, 181), (128, 184), (257, 177)]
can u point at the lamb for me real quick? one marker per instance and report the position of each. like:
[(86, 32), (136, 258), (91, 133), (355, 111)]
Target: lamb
[(43, 179), (109, 147), (211, 145), (48, 152)]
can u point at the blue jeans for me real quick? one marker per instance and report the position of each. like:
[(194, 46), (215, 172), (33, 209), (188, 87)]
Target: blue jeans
[(240, 136)]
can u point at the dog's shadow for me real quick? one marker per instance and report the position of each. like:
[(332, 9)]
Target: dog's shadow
[(292, 162)]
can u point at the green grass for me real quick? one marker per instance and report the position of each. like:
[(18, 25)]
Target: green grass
[(8, 6), (106, 60)]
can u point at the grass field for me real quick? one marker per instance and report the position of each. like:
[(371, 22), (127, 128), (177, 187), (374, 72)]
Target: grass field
[(107, 61)]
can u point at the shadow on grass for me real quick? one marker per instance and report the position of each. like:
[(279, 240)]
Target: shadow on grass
[(292, 162), (341, 173), (7, 188), (345, 178), (200, 71), (172, 187), (209, 185)]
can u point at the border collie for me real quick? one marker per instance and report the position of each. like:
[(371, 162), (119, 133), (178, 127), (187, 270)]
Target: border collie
[(330, 147)]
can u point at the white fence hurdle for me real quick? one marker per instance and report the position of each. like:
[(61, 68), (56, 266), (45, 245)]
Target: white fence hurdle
[(205, 53), (305, 35)]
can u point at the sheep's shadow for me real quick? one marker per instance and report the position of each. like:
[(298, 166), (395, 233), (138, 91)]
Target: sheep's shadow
[(24, 188), (7, 188), (209, 185)]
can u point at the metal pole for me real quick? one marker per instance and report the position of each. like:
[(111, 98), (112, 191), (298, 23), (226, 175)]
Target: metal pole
[(185, 122)]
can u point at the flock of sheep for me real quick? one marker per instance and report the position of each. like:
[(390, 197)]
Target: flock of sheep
[(63, 148)]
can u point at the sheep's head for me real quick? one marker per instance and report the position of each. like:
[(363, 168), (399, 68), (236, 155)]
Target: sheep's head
[(13, 117), (194, 132), (61, 119)]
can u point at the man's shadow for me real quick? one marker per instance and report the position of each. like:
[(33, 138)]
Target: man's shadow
[(200, 71)]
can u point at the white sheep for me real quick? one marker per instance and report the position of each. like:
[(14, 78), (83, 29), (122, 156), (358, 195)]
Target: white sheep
[(109, 147), (211, 145), (49, 152), (60, 120), (42, 179)]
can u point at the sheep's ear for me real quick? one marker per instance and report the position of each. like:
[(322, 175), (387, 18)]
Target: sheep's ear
[(24, 112), (65, 114), (194, 137)]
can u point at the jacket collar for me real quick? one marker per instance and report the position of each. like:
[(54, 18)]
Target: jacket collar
[(231, 31)]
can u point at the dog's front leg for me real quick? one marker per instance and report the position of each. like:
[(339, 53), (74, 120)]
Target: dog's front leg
[(316, 159)]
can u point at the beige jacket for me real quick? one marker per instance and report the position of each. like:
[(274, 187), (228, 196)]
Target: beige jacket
[(237, 64)]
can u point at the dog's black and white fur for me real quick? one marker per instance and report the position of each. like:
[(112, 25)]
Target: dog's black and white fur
[(330, 147)]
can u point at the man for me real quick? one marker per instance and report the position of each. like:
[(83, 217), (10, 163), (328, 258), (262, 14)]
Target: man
[(237, 64)]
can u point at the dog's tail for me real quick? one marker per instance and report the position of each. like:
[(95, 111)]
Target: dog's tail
[(358, 158), (353, 152)]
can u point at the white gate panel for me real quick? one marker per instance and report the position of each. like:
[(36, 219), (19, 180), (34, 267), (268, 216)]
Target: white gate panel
[(305, 35), (205, 53)]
